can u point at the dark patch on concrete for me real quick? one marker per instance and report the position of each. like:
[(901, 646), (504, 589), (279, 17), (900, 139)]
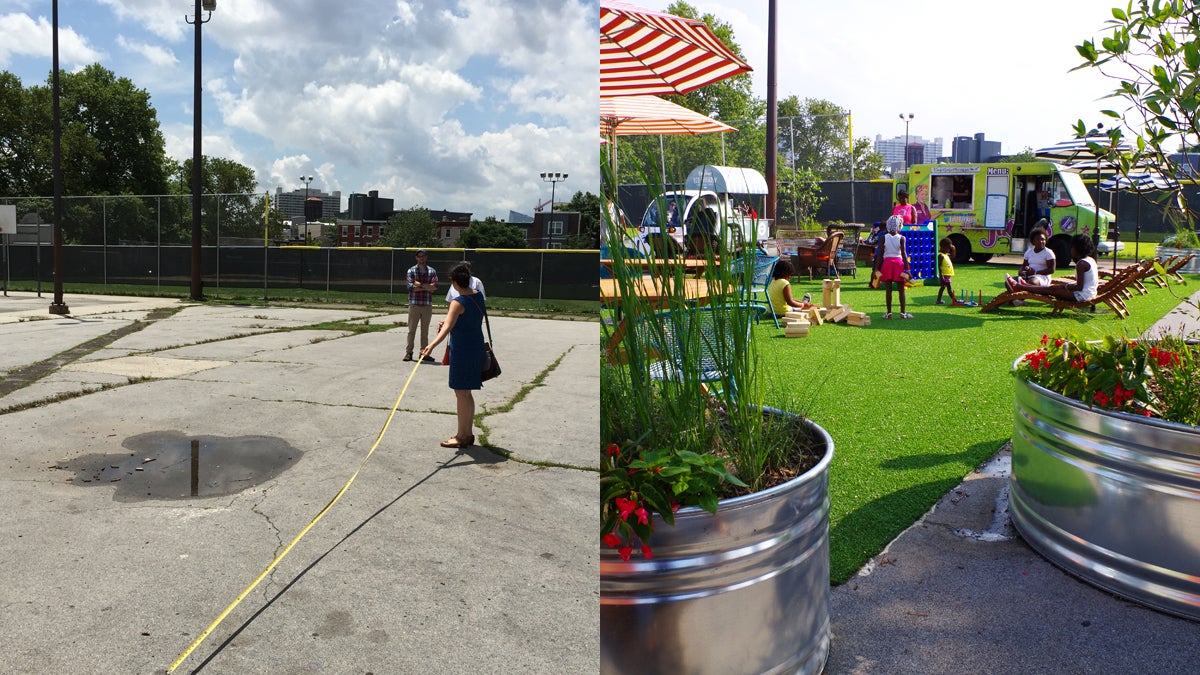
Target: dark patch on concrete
[(158, 465)]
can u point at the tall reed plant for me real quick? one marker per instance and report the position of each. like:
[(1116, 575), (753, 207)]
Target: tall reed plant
[(682, 417)]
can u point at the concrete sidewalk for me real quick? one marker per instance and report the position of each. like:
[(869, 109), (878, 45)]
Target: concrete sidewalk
[(961, 592), (436, 560)]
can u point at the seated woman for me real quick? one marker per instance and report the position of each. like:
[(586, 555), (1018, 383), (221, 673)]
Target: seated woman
[(1039, 261), (779, 291), (1087, 280)]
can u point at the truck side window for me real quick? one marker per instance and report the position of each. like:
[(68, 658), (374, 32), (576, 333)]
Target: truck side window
[(961, 196), (942, 187)]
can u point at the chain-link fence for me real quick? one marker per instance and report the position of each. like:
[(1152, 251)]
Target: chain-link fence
[(147, 240)]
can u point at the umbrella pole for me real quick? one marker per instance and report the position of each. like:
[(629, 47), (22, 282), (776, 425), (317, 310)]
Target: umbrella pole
[(1137, 230)]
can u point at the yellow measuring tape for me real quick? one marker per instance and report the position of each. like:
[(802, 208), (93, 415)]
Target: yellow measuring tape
[(212, 626)]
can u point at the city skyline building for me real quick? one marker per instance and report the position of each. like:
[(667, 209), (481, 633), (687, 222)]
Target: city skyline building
[(893, 150)]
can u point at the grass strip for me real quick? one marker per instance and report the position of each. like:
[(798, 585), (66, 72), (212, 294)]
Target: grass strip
[(915, 405)]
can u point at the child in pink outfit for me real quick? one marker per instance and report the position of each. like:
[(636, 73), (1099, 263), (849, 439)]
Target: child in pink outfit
[(895, 265)]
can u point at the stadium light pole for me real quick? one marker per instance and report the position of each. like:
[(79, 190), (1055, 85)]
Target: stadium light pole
[(57, 306), (306, 180), (553, 179), (197, 157), (906, 121)]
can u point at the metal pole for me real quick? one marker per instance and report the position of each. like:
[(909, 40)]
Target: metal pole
[(197, 290), (58, 306), (792, 153), (218, 249), (850, 134), (104, 237), (772, 119)]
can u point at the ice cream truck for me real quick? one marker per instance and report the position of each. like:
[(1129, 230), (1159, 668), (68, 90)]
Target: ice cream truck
[(710, 202), (988, 209)]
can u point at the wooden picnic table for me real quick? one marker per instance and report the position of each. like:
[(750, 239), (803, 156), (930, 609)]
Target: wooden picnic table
[(658, 295), (655, 292), (694, 266)]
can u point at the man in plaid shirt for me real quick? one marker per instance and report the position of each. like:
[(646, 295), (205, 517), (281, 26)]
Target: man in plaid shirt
[(422, 282)]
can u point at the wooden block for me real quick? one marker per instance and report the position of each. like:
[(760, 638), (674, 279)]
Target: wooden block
[(831, 293), (838, 314), (796, 321), (796, 330), (815, 316), (858, 319)]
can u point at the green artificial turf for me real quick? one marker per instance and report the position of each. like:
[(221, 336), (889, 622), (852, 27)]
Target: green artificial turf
[(914, 405)]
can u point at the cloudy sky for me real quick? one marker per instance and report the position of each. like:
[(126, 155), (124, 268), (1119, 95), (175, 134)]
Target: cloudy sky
[(960, 67), (447, 104)]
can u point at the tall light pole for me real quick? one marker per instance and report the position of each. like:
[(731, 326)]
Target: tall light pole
[(906, 121), (197, 157), (553, 179), (306, 180), (58, 306)]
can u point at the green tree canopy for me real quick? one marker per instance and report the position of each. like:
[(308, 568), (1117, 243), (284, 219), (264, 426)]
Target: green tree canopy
[(411, 228), (492, 233), (111, 142), (588, 206)]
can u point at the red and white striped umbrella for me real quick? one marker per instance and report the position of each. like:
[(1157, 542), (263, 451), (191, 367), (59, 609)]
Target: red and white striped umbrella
[(645, 52), (645, 115)]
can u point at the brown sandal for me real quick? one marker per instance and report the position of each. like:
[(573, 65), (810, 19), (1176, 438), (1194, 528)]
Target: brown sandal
[(456, 442)]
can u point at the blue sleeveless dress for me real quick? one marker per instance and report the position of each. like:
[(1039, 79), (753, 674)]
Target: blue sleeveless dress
[(466, 344)]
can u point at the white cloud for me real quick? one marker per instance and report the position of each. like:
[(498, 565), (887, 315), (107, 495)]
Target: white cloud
[(454, 104), (22, 35), (157, 56)]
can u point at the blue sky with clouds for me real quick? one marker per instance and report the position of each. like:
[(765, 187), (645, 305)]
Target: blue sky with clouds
[(447, 104)]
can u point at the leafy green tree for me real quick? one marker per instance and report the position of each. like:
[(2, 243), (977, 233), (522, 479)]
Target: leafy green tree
[(492, 233), (411, 228), (1025, 155), (1152, 52), (588, 206), (111, 138)]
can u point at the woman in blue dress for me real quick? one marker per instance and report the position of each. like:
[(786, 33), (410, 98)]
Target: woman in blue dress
[(464, 327)]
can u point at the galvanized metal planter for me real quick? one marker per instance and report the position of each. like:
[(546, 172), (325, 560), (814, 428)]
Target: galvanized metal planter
[(742, 591), (1193, 266), (1109, 497)]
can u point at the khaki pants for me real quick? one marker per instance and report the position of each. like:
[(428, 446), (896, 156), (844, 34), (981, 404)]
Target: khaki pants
[(418, 314)]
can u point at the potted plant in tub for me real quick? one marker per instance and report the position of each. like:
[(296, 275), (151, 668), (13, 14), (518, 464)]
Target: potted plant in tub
[(1106, 464), (713, 506)]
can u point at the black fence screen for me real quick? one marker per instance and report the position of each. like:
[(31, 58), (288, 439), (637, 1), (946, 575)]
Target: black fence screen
[(543, 274)]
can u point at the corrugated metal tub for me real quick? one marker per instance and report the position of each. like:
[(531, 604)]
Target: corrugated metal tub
[(1110, 497), (742, 591)]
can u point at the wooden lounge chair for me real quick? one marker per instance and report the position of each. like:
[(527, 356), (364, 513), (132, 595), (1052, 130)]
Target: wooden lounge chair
[(819, 257), (1110, 293), (1172, 270)]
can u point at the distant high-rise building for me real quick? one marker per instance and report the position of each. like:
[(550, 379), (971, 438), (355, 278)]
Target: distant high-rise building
[(967, 149), (894, 152), (292, 203)]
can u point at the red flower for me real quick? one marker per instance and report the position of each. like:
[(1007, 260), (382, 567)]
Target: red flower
[(674, 506), (625, 507), (1058, 342), (613, 450), (1101, 398), (1146, 412), (642, 516), (1079, 362), (624, 552), (1045, 338), (611, 540), (646, 552), (1163, 357)]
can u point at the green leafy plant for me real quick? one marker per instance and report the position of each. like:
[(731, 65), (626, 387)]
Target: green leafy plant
[(1151, 49), (1153, 378), (673, 436)]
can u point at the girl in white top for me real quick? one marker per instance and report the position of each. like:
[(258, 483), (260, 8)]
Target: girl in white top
[(895, 265), (1087, 280), (1039, 260)]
